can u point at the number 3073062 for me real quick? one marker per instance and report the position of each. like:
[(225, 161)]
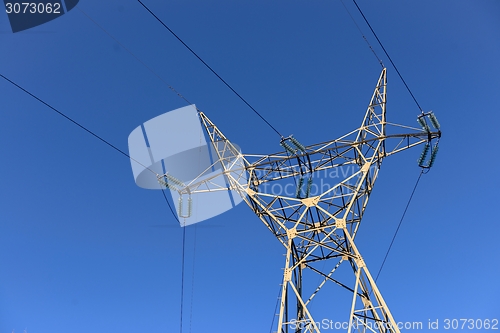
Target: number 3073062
[(33, 8), (470, 324)]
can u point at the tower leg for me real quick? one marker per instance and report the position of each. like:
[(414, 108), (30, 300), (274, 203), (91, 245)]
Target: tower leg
[(369, 312)]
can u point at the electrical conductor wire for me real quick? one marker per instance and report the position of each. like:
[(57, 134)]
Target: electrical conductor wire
[(388, 57), (85, 129), (182, 274), (399, 225), (363, 35), (210, 68), (133, 55)]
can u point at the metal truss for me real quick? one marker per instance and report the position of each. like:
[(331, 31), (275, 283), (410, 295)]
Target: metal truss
[(313, 199)]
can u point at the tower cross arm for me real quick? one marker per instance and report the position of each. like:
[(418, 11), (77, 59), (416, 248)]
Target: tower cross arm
[(335, 154)]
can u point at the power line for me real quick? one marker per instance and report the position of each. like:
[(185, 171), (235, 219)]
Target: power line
[(275, 309), (210, 68), (133, 55), (169, 206), (152, 71), (362, 34), (162, 189), (118, 150), (73, 121), (192, 281), (419, 107), (182, 273), (86, 130), (399, 225), (387, 54)]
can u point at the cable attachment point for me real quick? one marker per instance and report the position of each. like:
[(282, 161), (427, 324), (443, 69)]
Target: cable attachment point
[(185, 213), (170, 182), (300, 193), (308, 188), (292, 145), (175, 184), (422, 120), (288, 148), (424, 153), (433, 156), (434, 121)]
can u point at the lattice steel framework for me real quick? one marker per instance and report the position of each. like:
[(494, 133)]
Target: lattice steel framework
[(315, 216)]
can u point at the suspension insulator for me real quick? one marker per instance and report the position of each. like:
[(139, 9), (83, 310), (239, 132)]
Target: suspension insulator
[(181, 207), (434, 121), (423, 123), (297, 144), (423, 155), (190, 206), (172, 179), (308, 188), (427, 128), (433, 156), (299, 187), (167, 184), (288, 147)]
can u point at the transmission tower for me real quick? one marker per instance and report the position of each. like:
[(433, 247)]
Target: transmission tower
[(312, 199)]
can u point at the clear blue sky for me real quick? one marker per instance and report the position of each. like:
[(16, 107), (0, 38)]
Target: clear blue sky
[(83, 249)]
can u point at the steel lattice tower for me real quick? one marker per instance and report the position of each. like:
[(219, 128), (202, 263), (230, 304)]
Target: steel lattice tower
[(317, 225)]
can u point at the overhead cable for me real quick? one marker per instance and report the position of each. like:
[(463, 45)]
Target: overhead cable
[(399, 225), (388, 57), (209, 67), (100, 138)]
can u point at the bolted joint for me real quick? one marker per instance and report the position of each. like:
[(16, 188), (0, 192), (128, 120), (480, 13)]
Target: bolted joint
[(291, 233), (340, 223), (360, 262)]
